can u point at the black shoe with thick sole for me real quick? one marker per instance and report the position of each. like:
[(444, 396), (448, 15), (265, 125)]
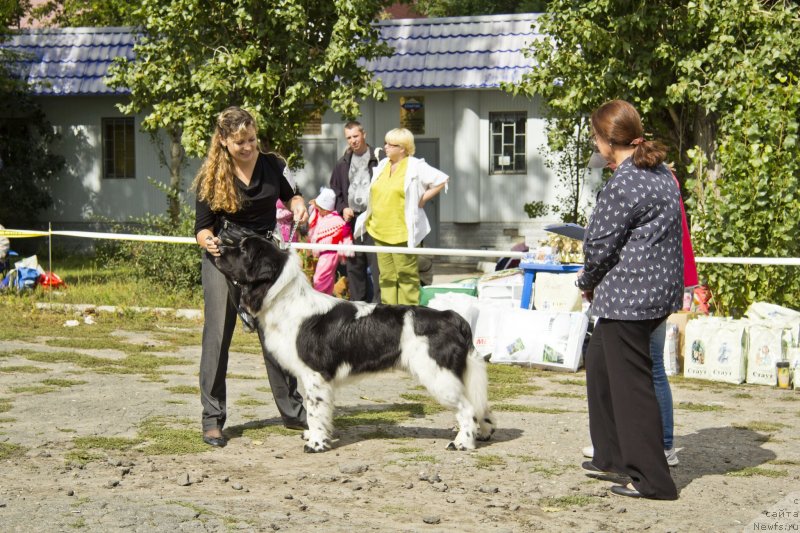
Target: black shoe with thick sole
[(624, 490), (592, 471)]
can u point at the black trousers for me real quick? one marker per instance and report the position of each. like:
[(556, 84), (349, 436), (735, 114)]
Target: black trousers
[(624, 419), (220, 320), (358, 280)]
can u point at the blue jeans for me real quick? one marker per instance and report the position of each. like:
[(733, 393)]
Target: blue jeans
[(661, 383)]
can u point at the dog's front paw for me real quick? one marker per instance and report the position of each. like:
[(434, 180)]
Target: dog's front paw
[(317, 446), (458, 447), (486, 428)]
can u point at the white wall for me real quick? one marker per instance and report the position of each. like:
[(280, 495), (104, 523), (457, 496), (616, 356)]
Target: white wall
[(80, 193)]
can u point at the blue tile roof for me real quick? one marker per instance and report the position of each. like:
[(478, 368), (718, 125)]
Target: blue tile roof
[(455, 53), (71, 61), (440, 53)]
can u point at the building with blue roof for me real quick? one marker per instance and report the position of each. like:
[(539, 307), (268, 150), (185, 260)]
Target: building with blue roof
[(443, 82)]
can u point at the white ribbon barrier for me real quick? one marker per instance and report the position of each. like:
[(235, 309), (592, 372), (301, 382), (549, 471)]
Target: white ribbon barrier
[(16, 233)]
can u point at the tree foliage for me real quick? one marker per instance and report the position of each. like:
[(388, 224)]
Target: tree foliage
[(463, 8), (65, 13), (26, 159), (284, 61), (717, 81)]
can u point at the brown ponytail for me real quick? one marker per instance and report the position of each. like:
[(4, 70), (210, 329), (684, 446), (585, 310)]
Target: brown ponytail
[(619, 123)]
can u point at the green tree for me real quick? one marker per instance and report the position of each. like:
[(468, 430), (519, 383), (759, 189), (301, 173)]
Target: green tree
[(463, 8), (284, 61), (716, 80), (65, 13), (26, 159)]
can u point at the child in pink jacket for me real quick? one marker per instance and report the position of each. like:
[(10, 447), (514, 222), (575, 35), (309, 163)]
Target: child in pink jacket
[(326, 226)]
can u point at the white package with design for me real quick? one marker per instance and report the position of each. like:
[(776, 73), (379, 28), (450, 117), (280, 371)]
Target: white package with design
[(540, 338)]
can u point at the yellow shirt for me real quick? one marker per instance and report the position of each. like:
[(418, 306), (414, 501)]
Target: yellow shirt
[(387, 199)]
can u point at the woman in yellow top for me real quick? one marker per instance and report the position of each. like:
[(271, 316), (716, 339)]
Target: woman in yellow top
[(401, 186)]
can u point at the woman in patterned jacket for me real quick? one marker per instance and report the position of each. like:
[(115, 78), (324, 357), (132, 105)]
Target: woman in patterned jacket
[(633, 274)]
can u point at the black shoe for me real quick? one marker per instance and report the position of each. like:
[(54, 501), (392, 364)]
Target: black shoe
[(624, 490), (596, 473), (218, 442), (248, 321)]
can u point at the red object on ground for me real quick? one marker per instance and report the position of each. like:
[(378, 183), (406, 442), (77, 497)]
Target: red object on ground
[(51, 279)]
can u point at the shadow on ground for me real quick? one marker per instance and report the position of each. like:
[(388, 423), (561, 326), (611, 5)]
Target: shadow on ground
[(719, 451)]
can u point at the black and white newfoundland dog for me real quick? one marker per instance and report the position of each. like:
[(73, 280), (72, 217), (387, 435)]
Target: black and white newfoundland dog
[(323, 340)]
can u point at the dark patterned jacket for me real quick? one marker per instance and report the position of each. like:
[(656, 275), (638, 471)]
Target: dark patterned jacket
[(634, 259)]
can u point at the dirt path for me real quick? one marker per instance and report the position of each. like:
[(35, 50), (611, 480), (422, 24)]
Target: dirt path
[(84, 445)]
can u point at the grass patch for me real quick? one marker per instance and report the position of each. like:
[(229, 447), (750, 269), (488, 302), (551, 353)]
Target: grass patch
[(176, 402), (566, 395), (389, 415), (67, 430), (264, 389), (514, 408), (106, 443), (489, 461), (763, 427), (422, 458), (790, 397), (184, 389), (7, 420), (33, 389), (5, 405), (576, 382), (260, 431), (243, 376), (753, 471), (91, 343), (508, 381), (63, 383), (22, 369), (742, 395), (10, 451), (565, 502), (81, 457), (691, 406), (377, 434), (785, 462), (249, 402), (429, 405), (406, 449), (165, 436)]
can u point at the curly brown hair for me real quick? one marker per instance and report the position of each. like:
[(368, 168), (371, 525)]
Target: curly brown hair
[(214, 182)]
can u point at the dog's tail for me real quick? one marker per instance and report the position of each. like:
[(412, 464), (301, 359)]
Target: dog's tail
[(476, 383)]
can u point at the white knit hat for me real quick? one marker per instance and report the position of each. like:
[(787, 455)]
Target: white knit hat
[(326, 199)]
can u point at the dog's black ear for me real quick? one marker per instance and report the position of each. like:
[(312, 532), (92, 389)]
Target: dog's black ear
[(263, 260)]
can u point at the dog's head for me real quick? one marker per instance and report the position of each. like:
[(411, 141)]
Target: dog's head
[(253, 262)]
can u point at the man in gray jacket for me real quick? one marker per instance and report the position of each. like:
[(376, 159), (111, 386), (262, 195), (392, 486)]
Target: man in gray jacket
[(350, 180)]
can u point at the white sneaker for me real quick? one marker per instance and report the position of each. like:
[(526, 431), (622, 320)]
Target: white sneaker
[(672, 456), (588, 451)]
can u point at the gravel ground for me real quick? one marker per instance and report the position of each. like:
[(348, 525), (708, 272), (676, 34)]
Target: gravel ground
[(85, 448)]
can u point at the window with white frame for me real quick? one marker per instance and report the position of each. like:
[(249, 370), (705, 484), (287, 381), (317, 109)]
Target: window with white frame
[(507, 143), (119, 149)]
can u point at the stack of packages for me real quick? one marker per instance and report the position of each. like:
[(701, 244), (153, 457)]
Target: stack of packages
[(755, 349), (551, 336)]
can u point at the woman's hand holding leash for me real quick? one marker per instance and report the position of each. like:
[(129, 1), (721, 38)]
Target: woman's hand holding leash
[(212, 245)]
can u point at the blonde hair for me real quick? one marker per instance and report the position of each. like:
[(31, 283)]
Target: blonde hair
[(214, 182), (402, 137)]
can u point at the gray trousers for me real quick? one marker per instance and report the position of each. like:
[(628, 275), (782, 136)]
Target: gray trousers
[(220, 321)]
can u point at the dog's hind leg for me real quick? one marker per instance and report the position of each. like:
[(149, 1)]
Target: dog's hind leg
[(447, 388), (476, 385), (319, 407)]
